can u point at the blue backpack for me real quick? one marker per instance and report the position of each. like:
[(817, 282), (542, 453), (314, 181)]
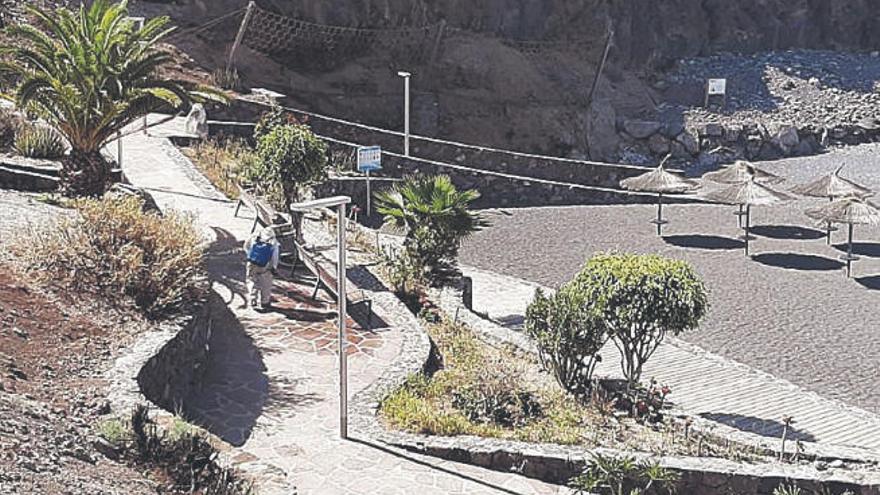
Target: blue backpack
[(260, 253)]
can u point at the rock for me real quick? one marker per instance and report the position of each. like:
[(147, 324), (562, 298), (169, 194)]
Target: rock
[(671, 130), (689, 142), (714, 130), (732, 134), (641, 129), (658, 145), (107, 449), (787, 139)]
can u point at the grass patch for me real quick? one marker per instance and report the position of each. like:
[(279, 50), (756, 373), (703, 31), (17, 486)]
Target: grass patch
[(180, 457), (490, 392), (222, 161)]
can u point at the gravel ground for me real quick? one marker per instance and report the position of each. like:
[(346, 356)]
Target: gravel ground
[(773, 88), (788, 310)]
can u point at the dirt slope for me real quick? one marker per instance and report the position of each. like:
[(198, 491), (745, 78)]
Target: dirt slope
[(486, 87)]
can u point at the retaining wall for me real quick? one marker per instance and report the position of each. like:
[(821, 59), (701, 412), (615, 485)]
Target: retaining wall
[(172, 374)]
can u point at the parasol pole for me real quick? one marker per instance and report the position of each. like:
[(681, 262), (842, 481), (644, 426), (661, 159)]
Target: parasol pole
[(739, 216), (748, 220), (660, 213), (849, 255), (829, 223)]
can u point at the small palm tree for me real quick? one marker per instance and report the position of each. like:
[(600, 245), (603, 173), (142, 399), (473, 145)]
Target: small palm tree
[(435, 216), (91, 73)]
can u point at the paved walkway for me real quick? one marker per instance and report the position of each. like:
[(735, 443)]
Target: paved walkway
[(271, 387), (708, 385)]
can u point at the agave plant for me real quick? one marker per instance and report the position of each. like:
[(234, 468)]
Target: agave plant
[(89, 74), (435, 216)]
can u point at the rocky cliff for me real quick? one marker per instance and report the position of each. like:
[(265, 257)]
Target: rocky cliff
[(517, 73)]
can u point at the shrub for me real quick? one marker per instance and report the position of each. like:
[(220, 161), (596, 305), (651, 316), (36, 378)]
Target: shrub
[(39, 141), (640, 299), (436, 217), (608, 475), (10, 122), (114, 249), (270, 120), (498, 398), (186, 456), (226, 79), (568, 337), (291, 158)]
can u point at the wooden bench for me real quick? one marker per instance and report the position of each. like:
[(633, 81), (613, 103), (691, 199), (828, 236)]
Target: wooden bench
[(326, 276), (265, 215)]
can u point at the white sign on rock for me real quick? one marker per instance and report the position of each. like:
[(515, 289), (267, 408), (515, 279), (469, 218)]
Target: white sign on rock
[(717, 87)]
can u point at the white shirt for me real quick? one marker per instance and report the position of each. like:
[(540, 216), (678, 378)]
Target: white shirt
[(276, 249)]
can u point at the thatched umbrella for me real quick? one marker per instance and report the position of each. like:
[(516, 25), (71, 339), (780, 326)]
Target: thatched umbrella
[(662, 182), (832, 186), (851, 211), (748, 194), (742, 171)]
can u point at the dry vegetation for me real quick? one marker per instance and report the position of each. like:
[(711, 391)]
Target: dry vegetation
[(485, 391)]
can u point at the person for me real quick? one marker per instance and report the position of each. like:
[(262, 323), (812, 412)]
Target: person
[(262, 250)]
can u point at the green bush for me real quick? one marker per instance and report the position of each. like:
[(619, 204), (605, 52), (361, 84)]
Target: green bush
[(114, 249), (291, 158), (568, 336), (270, 120), (608, 475), (436, 217), (39, 141), (639, 300)]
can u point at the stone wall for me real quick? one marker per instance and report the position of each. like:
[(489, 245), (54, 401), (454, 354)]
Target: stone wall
[(503, 179), (750, 141), (24, 174), (175, 371)]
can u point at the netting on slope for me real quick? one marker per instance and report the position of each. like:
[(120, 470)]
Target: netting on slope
[(319, 45)]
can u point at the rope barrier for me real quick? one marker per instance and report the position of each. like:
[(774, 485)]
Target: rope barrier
[(203, 27), (493, 173), (475, 147)]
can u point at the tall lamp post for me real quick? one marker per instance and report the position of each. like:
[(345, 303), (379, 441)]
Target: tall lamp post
[(406, 76), (339, 202)]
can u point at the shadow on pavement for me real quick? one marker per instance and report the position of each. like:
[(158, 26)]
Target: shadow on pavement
[(763, 427), (872, 283), (403, 455), (791, 261), (789, 232), (235, 387), (709, 242), (225, 263), (868, 249)]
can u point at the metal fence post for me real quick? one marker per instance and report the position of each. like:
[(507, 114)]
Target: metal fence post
[(249, 13)]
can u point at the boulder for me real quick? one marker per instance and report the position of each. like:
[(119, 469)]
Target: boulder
[(672, 129), (786, 140), (658, 145), (641, 129), (689, 142), (714, 130)]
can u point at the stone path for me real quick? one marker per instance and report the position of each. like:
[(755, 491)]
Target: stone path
[(271, 388)]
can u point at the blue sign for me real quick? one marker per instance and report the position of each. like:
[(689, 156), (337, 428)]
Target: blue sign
[(369, 158)]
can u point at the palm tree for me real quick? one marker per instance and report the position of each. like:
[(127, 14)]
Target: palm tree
[(435, 216), (91, 73)]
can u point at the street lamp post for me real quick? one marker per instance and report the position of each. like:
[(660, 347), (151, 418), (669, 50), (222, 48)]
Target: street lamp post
[(339, 202), (406, 104)]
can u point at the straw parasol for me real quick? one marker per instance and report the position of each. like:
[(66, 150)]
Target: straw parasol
[(742, 171), (850, 211), (662, 182), (747, 194), (832, 186)]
